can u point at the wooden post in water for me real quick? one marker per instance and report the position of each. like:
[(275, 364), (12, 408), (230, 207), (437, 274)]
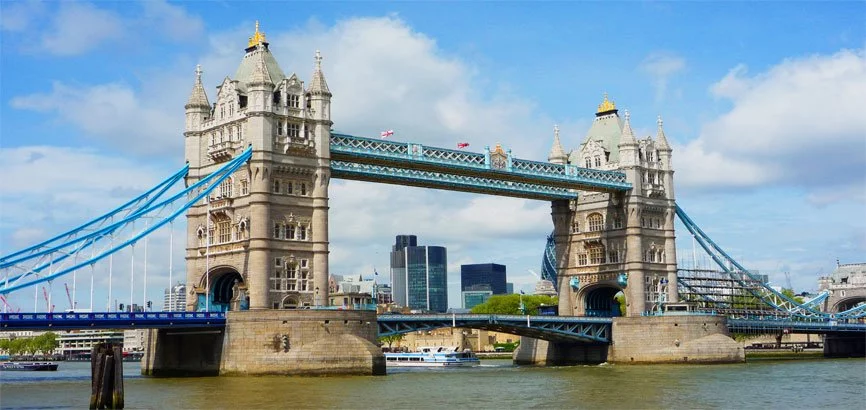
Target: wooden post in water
[(106, 375)]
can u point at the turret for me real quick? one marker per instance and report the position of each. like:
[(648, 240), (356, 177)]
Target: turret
[(320, 95), (260, 87), (628, 146), (557, 154), (198, 106), (665, 150)]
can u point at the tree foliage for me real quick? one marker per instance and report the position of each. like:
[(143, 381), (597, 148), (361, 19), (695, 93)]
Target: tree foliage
[(42, 344), (390, 339), (510, 304)]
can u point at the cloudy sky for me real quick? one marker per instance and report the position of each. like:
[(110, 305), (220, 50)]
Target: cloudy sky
[(763, 104)]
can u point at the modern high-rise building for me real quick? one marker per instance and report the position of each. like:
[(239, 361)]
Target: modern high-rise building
[(509, 288), (472, 298), (419, 275), (477, 276), (174, 299)]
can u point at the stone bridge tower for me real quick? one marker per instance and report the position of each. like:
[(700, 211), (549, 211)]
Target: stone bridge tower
[(608, 243), (261, 239)]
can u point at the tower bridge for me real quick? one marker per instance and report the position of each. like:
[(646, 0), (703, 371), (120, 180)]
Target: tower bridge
[(259, 160)]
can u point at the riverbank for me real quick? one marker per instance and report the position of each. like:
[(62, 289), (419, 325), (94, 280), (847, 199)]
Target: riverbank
[(783, 354), (495, 355)]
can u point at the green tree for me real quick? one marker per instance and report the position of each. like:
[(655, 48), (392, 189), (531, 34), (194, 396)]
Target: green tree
[(510, 304), (390, 339), (790, 293)]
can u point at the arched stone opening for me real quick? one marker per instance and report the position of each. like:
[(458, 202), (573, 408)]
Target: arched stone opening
[(849, 303), (228, 291), (602, 301), (290, 302)]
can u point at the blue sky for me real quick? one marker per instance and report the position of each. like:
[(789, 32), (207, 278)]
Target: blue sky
[(762, 102)]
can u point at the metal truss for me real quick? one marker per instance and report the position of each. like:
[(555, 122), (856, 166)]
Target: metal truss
[(783, 305), (440, 180), (551, 328), (111, 320), (804, 326), (411, 156), (61, 258)]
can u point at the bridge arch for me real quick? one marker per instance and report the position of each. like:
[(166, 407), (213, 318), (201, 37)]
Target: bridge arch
[(599, 300), (848, 303), (228, 290)]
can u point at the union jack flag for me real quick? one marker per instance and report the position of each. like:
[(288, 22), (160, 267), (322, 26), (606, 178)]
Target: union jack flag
[(386, 134), (461, 145)]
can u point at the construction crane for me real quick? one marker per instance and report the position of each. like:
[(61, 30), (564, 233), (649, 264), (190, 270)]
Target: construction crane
[(48, 304), (7, 307), (69, 297)]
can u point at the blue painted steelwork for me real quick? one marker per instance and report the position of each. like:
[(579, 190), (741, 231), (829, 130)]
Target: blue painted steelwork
[(805, 326), (552, 328), (190, 195), (110, 320), (767, 294), (407, 155), (452, 182), (548, 263)]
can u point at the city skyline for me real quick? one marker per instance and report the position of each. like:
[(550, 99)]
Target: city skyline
[(766, 131)]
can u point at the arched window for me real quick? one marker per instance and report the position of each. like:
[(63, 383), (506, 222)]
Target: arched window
[(595, 222), (588, 162), (597, 161)]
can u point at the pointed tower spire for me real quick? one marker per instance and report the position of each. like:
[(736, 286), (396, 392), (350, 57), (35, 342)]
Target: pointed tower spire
[(557, 154), (627, 133), (318, 85), (261, 74), (661, 139), (198, 97)]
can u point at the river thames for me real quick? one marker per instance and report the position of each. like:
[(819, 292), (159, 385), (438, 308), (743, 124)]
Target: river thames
[(839, 383)]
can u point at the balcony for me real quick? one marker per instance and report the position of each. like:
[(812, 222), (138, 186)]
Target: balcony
[(654, 190), (222, 151)]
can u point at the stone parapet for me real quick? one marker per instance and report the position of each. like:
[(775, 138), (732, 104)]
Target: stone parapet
[(673, 339)]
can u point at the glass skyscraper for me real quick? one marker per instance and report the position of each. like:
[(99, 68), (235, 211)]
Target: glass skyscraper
[(483, 276), (419, 275)]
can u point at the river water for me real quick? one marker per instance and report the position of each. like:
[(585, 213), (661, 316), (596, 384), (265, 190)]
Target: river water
[(800, 384)]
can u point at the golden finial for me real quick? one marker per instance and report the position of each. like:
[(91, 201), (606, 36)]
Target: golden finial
[(257, 38), (606, 105)]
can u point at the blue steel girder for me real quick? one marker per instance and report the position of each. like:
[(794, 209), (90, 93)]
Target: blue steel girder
[(551, 328), (414, 156), (794, 326), (430, 179), (110, 320)]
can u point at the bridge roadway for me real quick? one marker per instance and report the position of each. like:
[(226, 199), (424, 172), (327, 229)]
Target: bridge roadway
[(552, 328)]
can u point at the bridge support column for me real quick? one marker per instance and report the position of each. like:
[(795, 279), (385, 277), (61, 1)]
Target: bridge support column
[(674, 339), (263, 342), (544, 353), (844, 346)]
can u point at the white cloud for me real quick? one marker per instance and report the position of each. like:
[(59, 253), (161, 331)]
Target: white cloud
[(17, 16), (800, 123), (661, 67), (80, 27), (113, 113)]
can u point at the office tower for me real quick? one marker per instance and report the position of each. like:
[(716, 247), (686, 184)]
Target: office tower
[(419, 275), (481, 276), (174, 299), (509, 288)]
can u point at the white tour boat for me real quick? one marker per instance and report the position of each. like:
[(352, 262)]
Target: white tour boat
[(433, 357)]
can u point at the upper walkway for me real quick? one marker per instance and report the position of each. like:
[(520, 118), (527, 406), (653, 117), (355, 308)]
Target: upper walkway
[(497, 172)]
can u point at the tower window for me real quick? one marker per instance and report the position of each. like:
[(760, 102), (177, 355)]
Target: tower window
[(245, 187), (303, 188), (279, 128), (294, 100), (302, 233), (595, 222), (277, 230), (276, 97), (276, 186), (224, 229), (290, 231), (588, 162), (596, 255), (581, 259), (597, 161), (293, 130), (290, 187)]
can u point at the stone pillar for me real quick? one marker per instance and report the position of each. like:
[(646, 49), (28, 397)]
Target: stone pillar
[(635, 295), (320, 235), (260, 234), (671, 255), (561, 214)]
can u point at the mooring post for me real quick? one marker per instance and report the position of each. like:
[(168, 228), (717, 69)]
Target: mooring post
[(106, 373)]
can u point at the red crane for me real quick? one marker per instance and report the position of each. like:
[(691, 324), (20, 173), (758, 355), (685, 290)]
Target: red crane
[(69, 297), (48, 304), (8, 306)]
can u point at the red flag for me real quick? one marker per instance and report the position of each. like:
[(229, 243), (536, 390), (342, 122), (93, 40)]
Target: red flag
[(461, 145), (386, 134)]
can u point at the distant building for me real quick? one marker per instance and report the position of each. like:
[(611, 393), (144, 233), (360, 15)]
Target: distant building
[(545, 287), (472, 298), (847, 287), (509, 288), (419, 275), (491, 275), (174, 299), (78, 343)]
